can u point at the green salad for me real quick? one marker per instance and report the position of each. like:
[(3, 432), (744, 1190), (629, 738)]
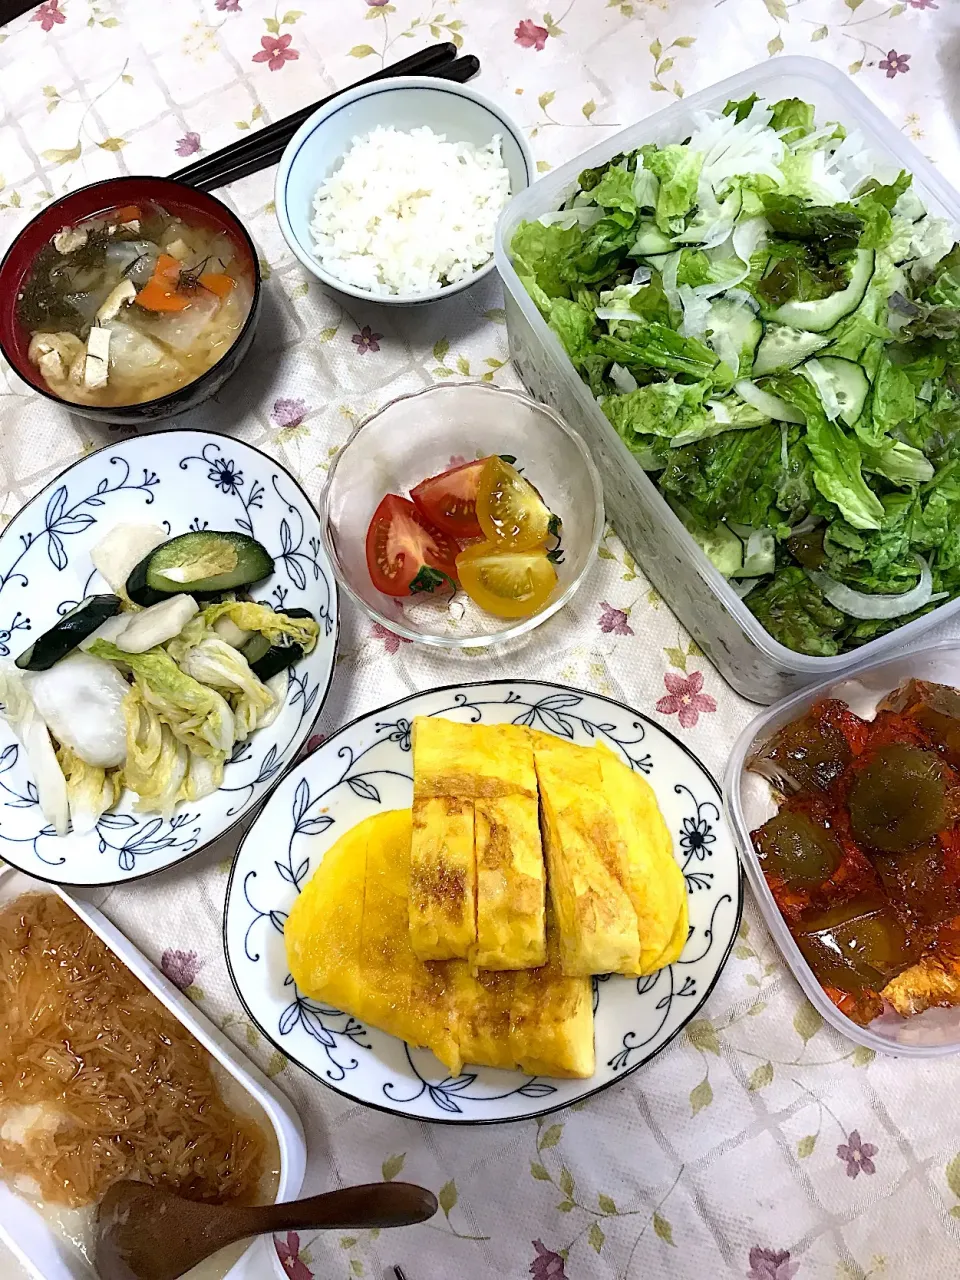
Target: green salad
[(772, 325)]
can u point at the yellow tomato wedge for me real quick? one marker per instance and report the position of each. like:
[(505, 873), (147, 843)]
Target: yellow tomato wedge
[(510, 511), (504, 581)]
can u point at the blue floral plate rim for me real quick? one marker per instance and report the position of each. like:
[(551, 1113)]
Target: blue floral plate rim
[(459, 688), (313, 702)]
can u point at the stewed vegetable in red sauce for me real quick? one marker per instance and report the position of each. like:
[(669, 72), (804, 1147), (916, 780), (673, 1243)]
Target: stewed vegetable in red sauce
[(863, 856)]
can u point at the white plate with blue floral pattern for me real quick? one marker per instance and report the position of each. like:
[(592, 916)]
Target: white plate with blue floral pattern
[(181, 480), (368, 766)]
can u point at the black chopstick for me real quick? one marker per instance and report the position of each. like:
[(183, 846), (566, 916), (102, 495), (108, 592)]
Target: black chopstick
[(461, 70), (422, 63)]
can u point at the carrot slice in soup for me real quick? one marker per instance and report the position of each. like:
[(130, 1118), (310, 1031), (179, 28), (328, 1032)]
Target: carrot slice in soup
[(160, 291), (217, 282)]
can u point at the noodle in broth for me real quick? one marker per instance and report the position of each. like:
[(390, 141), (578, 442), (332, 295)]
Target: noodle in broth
[(98, 1081)]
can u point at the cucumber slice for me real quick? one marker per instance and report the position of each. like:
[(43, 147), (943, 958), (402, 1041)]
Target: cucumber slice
[(709, 232), (201, 564), (720, 544), (256, 648), (760, 553), (64, 636), (824, 313), (784, 348), (651, 240), (267, 660), (842, 385), (735, 332)]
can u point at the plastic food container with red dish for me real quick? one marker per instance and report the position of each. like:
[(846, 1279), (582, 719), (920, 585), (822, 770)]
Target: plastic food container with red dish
[(750, 800), (757, 666)]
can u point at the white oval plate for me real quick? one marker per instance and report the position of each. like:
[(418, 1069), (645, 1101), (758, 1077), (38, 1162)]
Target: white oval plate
[(367, 766), (182, 480)]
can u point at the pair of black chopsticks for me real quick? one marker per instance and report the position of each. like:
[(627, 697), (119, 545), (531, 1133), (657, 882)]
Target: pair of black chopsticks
[(265, 147)]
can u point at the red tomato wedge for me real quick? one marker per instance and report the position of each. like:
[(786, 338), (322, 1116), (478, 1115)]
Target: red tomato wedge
[(449, 500), (405, 552)]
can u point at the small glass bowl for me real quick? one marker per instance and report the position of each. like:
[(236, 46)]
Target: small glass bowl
[(424, 433)]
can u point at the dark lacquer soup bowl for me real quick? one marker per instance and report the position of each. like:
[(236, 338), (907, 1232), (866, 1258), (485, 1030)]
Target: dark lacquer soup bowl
[(199, 211)]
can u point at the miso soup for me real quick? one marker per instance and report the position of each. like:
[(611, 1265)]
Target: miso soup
[(133, 304)]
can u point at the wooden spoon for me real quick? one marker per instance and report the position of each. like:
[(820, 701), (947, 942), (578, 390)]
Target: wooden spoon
[(145, 1233)]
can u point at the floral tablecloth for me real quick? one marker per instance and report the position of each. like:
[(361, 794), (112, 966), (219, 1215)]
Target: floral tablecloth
[(761, 1144)]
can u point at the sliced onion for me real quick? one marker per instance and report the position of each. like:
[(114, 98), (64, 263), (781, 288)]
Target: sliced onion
[(725, 350), (747, 299), (767, 403), (623, 379), (642, 275), (748, 236), (696, 312), (720, 411), (646, 188), (860, 605), (820, 380), (668, 278), (807, 525), (585, 215)]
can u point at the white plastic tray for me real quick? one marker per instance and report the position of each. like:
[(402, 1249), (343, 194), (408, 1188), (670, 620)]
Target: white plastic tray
[(43, 1253), (755, 664), (749, 803)]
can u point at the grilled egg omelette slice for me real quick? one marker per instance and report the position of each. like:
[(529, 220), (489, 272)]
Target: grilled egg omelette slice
[(652, 879), (511, 879), (348, 945), (477, 875), (443, 866), (322, 931), (586, 860)]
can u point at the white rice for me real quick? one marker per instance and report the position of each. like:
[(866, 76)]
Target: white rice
[(407, 212)]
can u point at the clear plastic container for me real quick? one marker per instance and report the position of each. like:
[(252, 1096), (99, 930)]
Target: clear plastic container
[(40, 1239), (755, 664), (749, 802)]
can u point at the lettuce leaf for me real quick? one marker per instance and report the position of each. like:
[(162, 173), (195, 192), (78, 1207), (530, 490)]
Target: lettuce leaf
[(834, 229), (602, 250), (590, 178), (657, 346), (574, 326), (659, 409), (678, 168), (894, 400), (733, 476), (794, 611), (740, 110), (898, 462), (540, 252), (615, 190), (792, 118), (198, 716), (837, 460), (874, 204)]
